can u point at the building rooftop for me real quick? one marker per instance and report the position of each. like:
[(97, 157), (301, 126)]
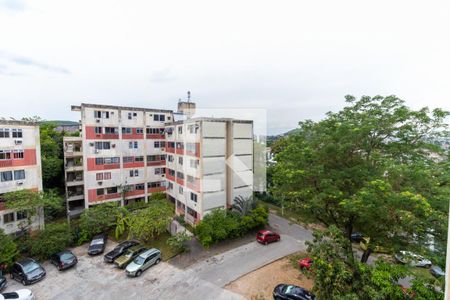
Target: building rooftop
[(209, 119), (101, 106), (18, 123)]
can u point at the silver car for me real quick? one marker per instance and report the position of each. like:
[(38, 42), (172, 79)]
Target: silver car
[(412, 259), (144, 261)]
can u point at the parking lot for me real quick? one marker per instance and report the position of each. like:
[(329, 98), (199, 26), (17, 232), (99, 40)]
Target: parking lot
[(91, 278)]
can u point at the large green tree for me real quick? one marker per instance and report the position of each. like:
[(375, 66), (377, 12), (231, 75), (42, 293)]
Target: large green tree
[(8, 250), (369, 167)]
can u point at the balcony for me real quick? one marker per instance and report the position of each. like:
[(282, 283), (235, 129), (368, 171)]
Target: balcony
[(75, 193), (73, 179), (74, 164)]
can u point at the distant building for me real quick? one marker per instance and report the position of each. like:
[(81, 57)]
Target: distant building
[(124, 154), (20, 168)]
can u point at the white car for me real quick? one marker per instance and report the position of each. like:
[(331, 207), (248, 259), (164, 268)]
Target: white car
[(23, 294), (412, 259)]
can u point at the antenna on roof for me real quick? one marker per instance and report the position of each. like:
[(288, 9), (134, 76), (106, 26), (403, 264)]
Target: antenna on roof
[(189, 96)]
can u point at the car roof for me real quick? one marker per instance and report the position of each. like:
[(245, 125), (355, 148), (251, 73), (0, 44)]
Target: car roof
[(25, 261), (265, 231), (149, 252)]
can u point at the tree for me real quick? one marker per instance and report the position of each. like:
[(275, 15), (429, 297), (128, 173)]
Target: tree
[(97, 219), (8, 250), (243, 206), (364, 164), (146, 224), (54, 238), (178, 242), (52, 156)]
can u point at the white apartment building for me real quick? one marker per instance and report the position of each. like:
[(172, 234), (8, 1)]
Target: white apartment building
[(20, 168), (201, 163)]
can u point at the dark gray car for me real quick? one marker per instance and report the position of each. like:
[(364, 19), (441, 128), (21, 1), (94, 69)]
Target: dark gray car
[(27, 271)]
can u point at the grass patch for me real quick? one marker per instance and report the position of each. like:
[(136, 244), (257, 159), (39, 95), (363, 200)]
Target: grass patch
[(161, 243)]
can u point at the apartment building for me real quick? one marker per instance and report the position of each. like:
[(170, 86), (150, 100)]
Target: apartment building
[(119, 155), (20, 168), (209, 163), (125, 154)]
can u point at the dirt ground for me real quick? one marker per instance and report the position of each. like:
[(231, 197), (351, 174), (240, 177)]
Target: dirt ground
[(260, 283)]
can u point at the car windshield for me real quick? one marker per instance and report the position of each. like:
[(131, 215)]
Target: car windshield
[(293, 290), (260, 234), (139, 260), (97, 242), (66, 256), (30, 267)]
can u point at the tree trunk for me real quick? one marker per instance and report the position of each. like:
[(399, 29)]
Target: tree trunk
[(366, 255)]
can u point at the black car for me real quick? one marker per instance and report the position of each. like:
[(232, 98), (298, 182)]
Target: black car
[(2, 282), (97, 244), (27, 271), (291, 292), (64, 260), (119, 250), (356, 237)]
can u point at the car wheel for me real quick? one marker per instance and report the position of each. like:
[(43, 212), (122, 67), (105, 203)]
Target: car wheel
[(157, 261), (138, 273)]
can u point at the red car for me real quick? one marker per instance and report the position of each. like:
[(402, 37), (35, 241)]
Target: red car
[(265, 237), (305, 263)]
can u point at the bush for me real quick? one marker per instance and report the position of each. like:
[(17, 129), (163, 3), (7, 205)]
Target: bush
[(54, 238), (8, 249), (178, 242), (221, 224), (97, 219)]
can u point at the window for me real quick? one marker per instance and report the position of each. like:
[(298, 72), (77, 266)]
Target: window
[(171, 172), (194, 197), (139, 130), (18, 154), (111, 130), (98, 114), (21, 215), (153, 158), (127, 159), (133, 145), (99, 161), (6, 176), (170, 158), (107, 160), (130, 116), (180, 145), (138, 158), (191, 147), (8, 218), (180, 175), (115, 160), (192, 212), (170, 144), (160, 171), (98, 130), (190, 179), (194, 163), (111, 190), (100, 192), (139, 187), (193, 128), (4, 132), (180, 190), (105, 114), (5, 154), (17, 133), (126, 130), (155, 130), (180, 129), (159, 144), (102, 145), (107, 175), (134, 173), (19, 174), (154, 184), (170, 186), (160, 118), (99, 176), (180, 160)]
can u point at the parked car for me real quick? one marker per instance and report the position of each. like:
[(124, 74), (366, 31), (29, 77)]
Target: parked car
[(356, 237), (27, 271), (97, 244), (64, 260), (436, 271), (291, 292), (119, 250), (143, 261), (305, 263), (266, 236), (2, 282), (130, 254), (378, 249), (412, 259), (23, 294)]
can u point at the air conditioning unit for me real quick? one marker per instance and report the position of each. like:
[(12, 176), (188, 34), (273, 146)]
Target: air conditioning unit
[(18, 142), (96, 151), (19, 182), (91, 144), (113, 145), (163, 175), (100, 182)]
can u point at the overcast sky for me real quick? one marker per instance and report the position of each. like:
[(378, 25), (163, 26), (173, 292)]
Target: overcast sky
[(297, 59)]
